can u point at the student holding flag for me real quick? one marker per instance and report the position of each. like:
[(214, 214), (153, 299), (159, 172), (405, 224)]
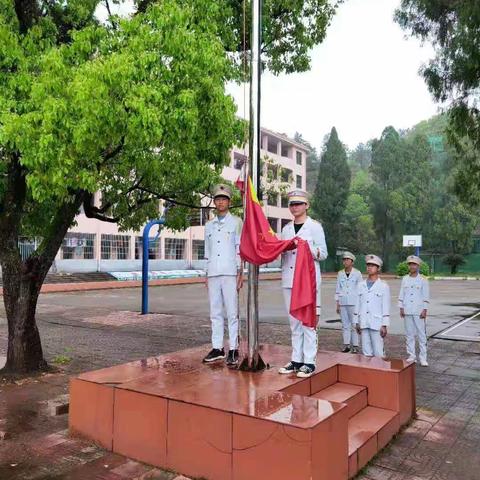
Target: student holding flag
[(304, 337), (301, 273)]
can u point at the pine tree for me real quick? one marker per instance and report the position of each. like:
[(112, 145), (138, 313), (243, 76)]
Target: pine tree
[(332, 188)]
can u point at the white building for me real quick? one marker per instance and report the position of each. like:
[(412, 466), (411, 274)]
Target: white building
[(93, 245)]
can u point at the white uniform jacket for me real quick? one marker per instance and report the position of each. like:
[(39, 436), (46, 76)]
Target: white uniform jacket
[(372, 308), (222, 245), (414, 294), (312, 232), (347, 287)]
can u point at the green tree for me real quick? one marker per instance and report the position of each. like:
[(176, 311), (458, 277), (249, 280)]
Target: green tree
[(399, 195), (135, 108), (453, 76), (331, 191), (361, 157), (357, 232)]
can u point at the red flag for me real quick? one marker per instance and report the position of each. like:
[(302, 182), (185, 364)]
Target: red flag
[(260, 245)]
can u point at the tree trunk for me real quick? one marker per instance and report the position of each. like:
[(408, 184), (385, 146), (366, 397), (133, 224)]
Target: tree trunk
[(20, 294)]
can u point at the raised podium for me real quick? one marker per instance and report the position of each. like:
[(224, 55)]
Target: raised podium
[(212, 422)]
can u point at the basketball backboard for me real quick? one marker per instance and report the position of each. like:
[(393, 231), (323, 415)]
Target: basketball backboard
[(412, 240)]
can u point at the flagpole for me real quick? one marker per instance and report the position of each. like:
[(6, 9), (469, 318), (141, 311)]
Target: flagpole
[(255, 362)]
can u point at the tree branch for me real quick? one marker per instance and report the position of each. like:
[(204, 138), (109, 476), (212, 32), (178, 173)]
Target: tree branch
[(28, 11)]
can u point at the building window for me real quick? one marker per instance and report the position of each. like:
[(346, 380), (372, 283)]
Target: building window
[(286, 175), (299, 181), (154, 248), (272, 199), (272, 145), (115, 247), (27, 246), (199, 217), (78, 246), (299, 158), (198, 249), (175, 248), (239, 159), (284, 201), (273, 223), (285, 151), (285, 222)]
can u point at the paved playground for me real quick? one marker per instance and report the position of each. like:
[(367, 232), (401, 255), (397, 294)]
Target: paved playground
[(88, 330)]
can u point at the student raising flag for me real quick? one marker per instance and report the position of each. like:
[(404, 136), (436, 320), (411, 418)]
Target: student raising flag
[(260, 245)]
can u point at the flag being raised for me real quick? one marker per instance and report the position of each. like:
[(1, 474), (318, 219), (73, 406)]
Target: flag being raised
[(260, 245)]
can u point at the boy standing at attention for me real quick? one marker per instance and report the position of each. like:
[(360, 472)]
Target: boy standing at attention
[(413, 301), (348, 281), (372, 309), (224, 274)]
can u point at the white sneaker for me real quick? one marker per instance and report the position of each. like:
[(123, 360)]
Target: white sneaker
[(411, 359), (423, 363)]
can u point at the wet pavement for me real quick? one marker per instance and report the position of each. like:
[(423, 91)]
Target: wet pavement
[(89, 330)]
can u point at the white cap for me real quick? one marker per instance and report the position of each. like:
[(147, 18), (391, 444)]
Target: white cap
[(297, 196), (222, 190), (414, 259), (349, 255), (374, 260)]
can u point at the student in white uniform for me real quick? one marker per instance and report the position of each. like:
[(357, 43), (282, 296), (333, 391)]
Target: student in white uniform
[(223, 274), (413, 301), (372, 309), (348, 281), (304, 339)]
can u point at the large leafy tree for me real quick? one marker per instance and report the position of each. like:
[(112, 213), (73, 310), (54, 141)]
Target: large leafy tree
[(453, 76), (332, 188), (134, 109), (399, 194)]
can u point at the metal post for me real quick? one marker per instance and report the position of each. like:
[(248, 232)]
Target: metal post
[(146, 244), (254, 360)]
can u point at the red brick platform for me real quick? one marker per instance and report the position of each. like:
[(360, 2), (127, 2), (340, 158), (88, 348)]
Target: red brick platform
[(209, 421)]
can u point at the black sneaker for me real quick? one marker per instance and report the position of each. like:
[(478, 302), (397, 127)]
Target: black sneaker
[(306, 370), (290, 367), (346, 349), (354, 349), (232, 357), (214, 355)]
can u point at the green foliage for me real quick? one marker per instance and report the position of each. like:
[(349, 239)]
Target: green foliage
[(400, 193), (402, 269), (453, 260), (453, 76), (332, 188)]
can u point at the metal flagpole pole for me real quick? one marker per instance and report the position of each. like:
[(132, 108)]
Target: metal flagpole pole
[(254, 360)]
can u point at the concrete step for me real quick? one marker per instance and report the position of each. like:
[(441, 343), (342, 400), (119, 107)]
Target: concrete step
[(355, 396), (369, 431)]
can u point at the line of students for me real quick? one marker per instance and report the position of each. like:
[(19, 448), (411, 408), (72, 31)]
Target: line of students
[(364, 305)]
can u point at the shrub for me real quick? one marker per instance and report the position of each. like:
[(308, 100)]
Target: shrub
[(402, 269), (453, 260)]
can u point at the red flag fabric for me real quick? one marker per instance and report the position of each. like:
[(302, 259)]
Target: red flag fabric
[(260, 245)]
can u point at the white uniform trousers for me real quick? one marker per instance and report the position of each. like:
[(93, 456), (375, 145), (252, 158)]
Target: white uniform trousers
[(304, 339), (372, 343), (416, 326), (222, 292), (350, 335)]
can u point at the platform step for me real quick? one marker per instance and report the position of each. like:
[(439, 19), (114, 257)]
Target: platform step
[(355, 396), (369, 431)]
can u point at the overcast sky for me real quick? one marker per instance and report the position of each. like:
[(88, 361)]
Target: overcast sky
[(364, 77)]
